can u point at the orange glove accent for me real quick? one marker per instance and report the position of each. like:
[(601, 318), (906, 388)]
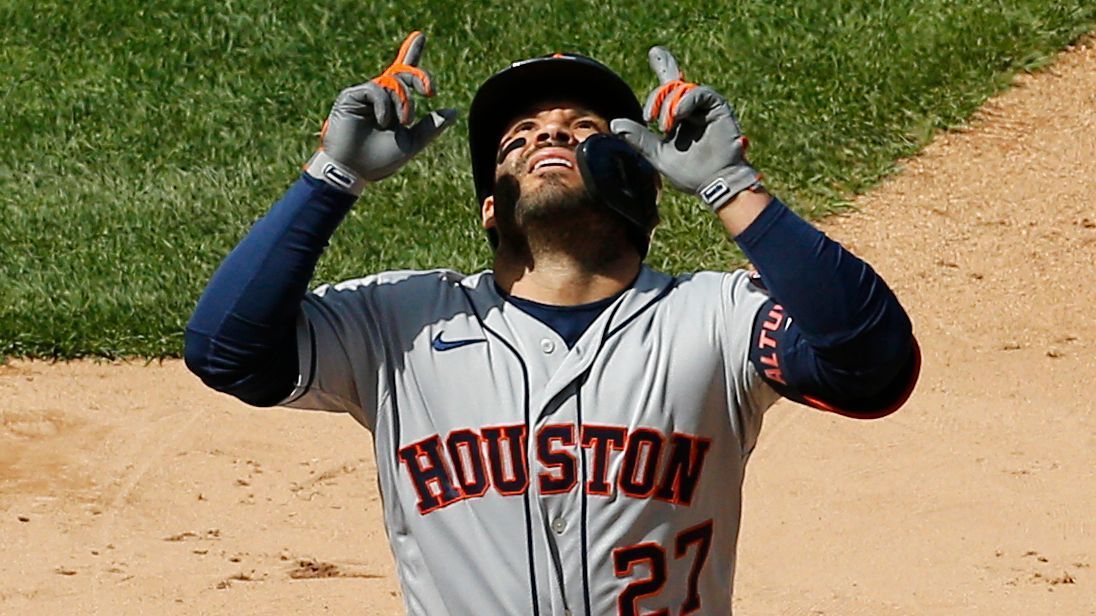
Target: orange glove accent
[(678, 87), (403, 65)]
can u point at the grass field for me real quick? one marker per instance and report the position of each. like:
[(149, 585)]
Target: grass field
[(141, 139)]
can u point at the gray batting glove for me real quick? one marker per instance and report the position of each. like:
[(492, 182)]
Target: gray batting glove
[(368, 135), (704, 150)]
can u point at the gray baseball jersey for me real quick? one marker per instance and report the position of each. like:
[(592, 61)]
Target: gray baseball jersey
[(522, 477)]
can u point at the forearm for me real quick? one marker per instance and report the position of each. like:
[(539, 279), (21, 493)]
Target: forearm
[(240, 338), (845, 311), (743, 209)]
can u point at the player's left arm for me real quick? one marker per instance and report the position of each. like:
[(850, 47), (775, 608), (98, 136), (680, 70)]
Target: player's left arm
[(833, 335), (841, 340)]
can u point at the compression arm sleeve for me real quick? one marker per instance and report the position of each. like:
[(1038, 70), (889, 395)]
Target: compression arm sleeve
[(834, 335), (241, 338)]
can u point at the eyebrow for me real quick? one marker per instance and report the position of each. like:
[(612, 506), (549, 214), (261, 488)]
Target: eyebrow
[(514, 126), (584, 115)]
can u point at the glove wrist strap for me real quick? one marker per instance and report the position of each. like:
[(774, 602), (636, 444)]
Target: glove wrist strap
[(720, 190), (322, 167)]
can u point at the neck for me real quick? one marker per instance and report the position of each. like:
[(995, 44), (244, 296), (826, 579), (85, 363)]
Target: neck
[(566, 273)]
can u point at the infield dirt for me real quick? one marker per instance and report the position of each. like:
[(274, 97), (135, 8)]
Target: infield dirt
[(130, 489)]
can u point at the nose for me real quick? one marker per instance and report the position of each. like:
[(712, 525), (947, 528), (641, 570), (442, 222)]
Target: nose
[(555, 133)]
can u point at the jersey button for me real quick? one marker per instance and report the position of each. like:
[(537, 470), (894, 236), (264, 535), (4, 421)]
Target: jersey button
[(547, 346), (559, 525)]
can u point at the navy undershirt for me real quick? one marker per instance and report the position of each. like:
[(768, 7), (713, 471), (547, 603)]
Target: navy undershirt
[(568, 321), (849, 338)]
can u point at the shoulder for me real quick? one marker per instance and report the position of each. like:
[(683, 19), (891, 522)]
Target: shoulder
[(730, 285), (396, 283), (400, 303), (695, 296), (721, 298), (396, 295)]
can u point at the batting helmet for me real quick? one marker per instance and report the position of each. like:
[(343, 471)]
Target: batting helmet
[(562, 76)]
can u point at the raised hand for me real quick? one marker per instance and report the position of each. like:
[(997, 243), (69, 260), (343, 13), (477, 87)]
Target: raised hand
[(368, 134), (703, 150)]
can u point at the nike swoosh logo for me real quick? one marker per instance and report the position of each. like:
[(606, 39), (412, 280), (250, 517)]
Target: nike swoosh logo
[(445, 345)]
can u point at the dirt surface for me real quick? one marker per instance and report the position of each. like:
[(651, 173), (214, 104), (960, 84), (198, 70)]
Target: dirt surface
[(130, 489)]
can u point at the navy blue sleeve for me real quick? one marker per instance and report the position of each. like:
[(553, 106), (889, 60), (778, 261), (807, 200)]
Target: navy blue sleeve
[(834, 335), (241, 339)]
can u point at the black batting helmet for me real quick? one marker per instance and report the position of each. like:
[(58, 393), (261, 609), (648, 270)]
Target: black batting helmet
[(513, 90)]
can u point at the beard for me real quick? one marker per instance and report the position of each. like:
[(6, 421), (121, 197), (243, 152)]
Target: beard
[(557, 217), (554, 201)]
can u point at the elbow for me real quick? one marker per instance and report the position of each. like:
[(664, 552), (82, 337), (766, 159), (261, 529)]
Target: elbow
[(261, 377), (212, 363), (198, 346), (199, 358), (888, 394), (899, 335), (875, 350), (900, 387)]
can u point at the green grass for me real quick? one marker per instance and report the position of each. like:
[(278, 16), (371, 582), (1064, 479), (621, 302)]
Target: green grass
[(142, 139)]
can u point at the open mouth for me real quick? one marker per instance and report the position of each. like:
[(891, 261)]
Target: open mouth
[(552, 158), (553, 162)]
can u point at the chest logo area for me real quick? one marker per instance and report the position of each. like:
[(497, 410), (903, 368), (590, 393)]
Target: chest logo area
[(440, 344), (600, 460)]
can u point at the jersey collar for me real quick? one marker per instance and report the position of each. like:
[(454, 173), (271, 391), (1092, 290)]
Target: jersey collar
[(495, 314)]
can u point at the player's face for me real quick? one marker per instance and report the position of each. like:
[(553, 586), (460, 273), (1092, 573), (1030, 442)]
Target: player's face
[(541, 144), (537, 152)]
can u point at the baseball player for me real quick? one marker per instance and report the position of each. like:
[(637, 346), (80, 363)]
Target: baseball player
[(567, 432)]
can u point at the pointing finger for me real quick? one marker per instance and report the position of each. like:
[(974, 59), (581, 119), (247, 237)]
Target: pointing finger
[(664, 65), (411, 49), (406, 63)]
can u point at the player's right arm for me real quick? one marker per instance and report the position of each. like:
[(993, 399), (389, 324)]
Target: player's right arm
[(242, 337)]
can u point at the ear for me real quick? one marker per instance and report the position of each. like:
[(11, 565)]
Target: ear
[(487, 212)]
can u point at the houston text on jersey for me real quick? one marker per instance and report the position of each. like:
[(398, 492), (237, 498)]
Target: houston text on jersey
[(466, 463)]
